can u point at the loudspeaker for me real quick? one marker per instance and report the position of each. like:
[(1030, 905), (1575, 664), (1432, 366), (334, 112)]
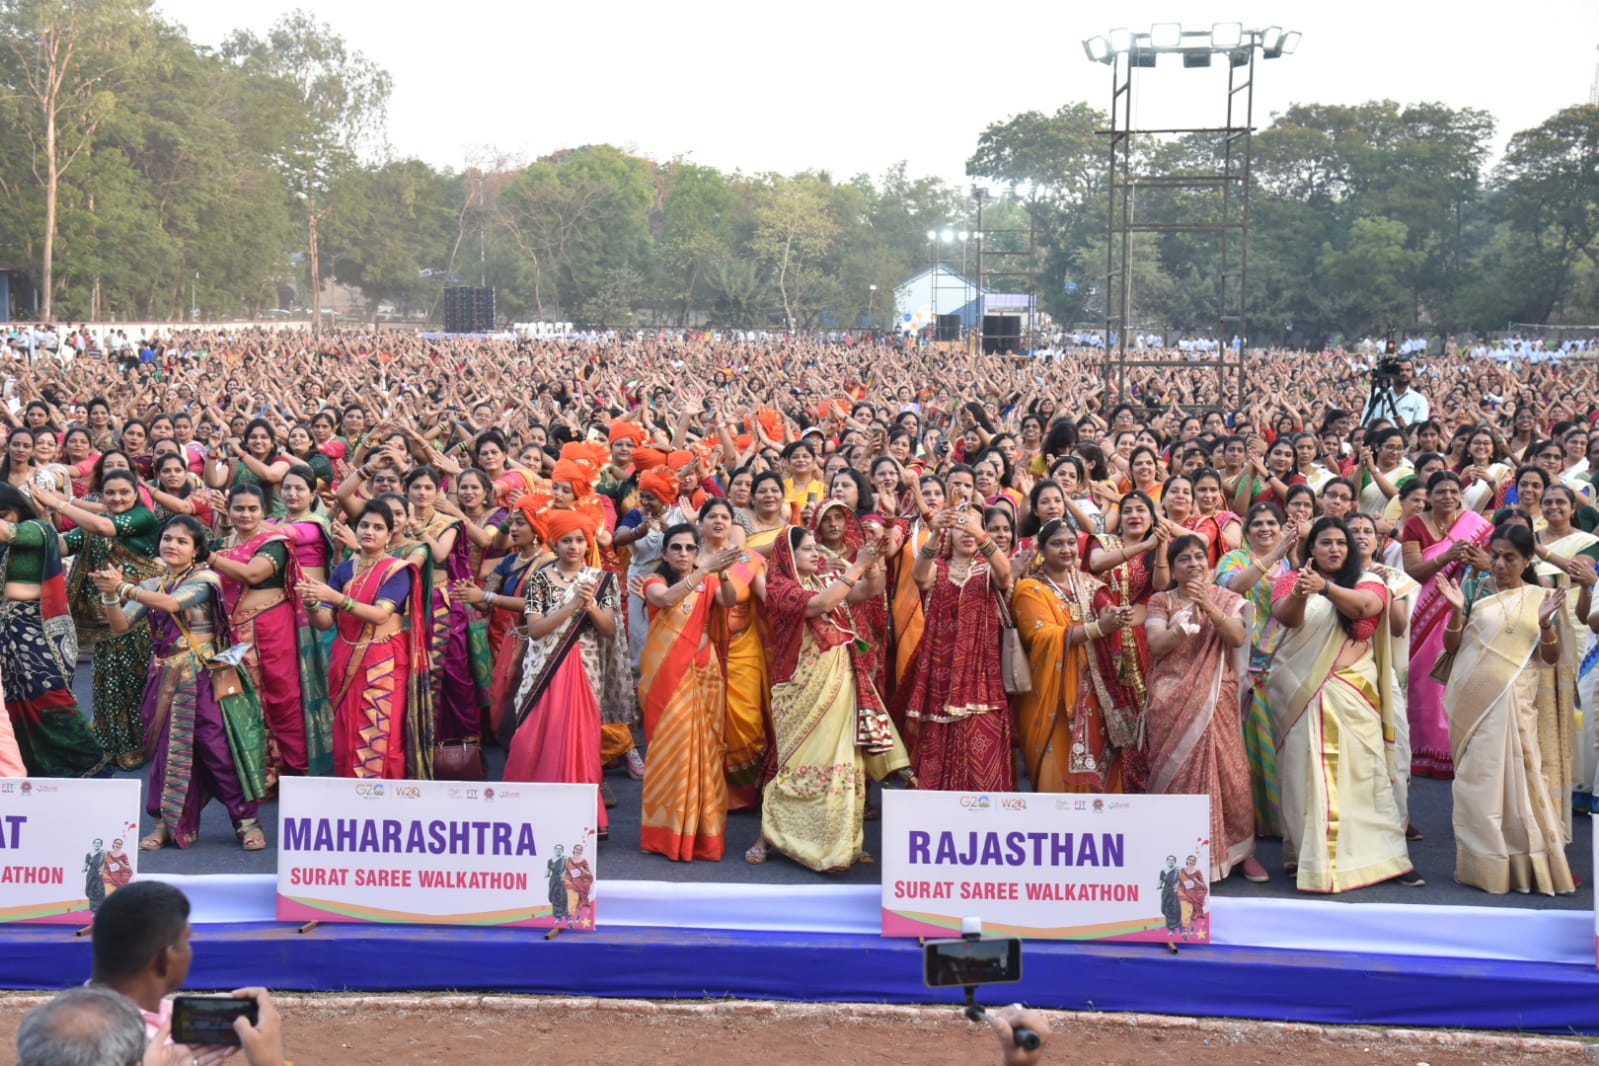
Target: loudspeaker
[(949, 328), (1002, 334), (468, 309)]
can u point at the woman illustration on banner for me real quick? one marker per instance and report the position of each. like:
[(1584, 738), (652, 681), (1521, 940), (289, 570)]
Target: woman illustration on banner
[(578, 877), (378, 676), (39, 649), (683, 692), (199, 749), (575, 668), (259, 572), (1439, 542), (1199, 651), (829, 725), (1509, 705), (124, 536), (1341, 824)]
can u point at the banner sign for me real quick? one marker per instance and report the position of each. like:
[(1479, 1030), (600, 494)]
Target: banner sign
[(65, 845), (1047, 865), (439, 852)]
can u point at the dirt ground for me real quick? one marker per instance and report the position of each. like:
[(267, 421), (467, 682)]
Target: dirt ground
[(512, 1031)]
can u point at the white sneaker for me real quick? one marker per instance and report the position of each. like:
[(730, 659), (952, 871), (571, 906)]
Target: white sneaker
[(635, 764)]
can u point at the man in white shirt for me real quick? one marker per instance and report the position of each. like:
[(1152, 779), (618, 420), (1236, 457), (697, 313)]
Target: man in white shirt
[(1412, 407)]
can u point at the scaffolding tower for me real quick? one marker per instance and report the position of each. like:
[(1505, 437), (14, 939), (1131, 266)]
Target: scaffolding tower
[(1228, 186)]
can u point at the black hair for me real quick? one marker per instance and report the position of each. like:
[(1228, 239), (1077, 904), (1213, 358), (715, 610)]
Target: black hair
[(13, 499), (1521, 539), (1002, 511), (1061, 437), (135, 924), (121, 475), (1440, 476), (1301, 489), (304, 473), (379, 508), (866, 497), (1348, 574), (197, 533), (765, 476), (1094, 456), (795, 445), (1181, 544), (1031, 524), (721, 501), (5, 457), (662, 569), (418, 473), (248, 488)]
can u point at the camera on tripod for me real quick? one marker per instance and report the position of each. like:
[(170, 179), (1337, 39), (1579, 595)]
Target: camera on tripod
[(1387, 370)]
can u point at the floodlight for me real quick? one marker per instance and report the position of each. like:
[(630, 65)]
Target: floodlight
[(1098, 49), (1144, 56), (1226, 35), (948, 235), (1239, 57), (1166, 34), (1271, 38), (1196, 57), (932, 235), (1121, 41), (1291, 42), (963, 235)]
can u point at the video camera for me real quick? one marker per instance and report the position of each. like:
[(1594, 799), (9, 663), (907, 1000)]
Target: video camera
[(1387, 369)]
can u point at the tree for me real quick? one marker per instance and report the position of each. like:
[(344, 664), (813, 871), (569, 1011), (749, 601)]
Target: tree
[(336, 102), (793, 225), (1370, 278), (1550, 199), (697, 229), (64, 61)]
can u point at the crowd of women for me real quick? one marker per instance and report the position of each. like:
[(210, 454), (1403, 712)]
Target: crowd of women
[(376, 563)]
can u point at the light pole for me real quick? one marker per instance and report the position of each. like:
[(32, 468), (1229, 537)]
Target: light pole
[(871, 301), (194, 305), (932, 279)]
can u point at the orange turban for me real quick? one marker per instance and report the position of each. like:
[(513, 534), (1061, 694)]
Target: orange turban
[(595, 455), (625, 429), (659, 483), (679, 459), (578, 474), (648, 459), (532, 508), (560, 522)]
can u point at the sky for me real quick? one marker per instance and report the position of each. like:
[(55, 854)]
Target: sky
[(854, 86)]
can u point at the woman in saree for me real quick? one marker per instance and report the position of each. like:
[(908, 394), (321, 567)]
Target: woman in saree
[(1269, 479), (125, 536), (482, 524), (502, 595), (737, 632), (1482, 471), (828, 722), (382, 720), (770, 515), (1307, 462), (39, 648), (839, 536), (259, 573), (1072, 627), (1132, 568), (455, 702), (253, 461), (176, 490), (575, 673), (1341, 825), (1402, 592), (1383, 471), (198, 750), (1566, 559), (311, 541), (956, 713), (1439, 541), (1510, 720), (683, 692), (1220, 528), (1251, 571), (907, 618), (1199, 650)]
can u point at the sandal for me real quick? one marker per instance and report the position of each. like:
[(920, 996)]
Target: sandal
[(1411, 880), (758, 853), (253, 839), (1412, 833), (866, 859), (156, 840)]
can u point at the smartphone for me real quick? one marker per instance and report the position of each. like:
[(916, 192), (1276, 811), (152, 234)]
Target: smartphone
[(209, 1019), (958, 963)]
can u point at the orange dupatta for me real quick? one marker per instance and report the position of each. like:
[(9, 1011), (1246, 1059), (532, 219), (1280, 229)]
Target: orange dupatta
[(679, 638)]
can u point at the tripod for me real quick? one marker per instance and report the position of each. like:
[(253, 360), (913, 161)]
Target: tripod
[(1381, 402)]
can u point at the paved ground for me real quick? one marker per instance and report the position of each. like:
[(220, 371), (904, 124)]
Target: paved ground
[(217, 852)]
